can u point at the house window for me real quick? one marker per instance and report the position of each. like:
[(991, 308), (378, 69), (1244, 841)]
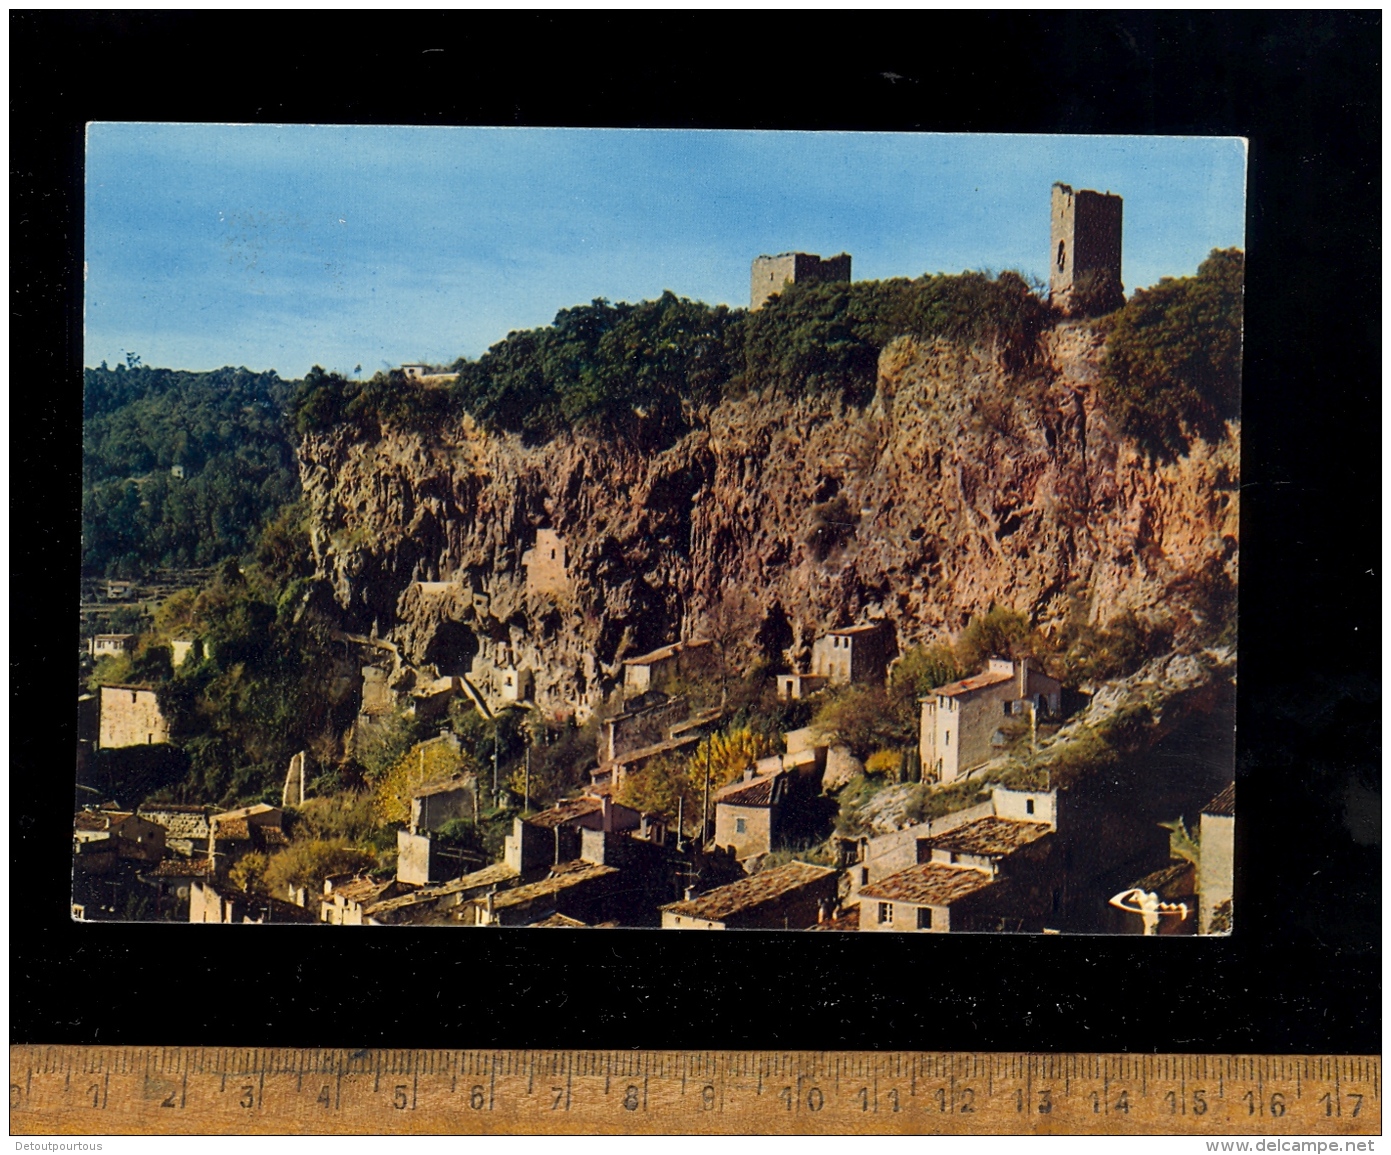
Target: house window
[(886, 913), (946, 737), (739, 826), (924, 918), (1062, 255), (552, 555), (149, 739), (864, 876), (1028, 806)]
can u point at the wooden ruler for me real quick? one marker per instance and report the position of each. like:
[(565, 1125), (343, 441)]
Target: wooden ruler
[(229, 1090)]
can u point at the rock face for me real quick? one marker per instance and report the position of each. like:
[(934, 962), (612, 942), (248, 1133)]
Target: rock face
[(958, 486)]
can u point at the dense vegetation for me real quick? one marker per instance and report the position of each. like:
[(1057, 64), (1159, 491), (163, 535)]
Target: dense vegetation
[(227, 430), (1173, 363), (647, 369)]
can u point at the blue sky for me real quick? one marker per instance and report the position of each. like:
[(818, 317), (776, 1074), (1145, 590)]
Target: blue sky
[(280, 247)]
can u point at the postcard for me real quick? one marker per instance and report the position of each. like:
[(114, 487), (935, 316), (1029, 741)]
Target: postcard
[(668, 529)]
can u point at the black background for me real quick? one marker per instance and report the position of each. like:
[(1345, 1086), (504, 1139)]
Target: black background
[(1301, 973)]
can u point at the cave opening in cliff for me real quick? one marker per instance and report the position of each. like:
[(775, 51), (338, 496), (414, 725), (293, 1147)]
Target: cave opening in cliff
[(452, 649)]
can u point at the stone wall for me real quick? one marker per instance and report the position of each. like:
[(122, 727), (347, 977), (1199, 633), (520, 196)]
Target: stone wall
[(130, 716)]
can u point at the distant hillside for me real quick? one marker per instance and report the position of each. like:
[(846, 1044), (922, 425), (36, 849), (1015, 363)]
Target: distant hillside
[(226, 430)]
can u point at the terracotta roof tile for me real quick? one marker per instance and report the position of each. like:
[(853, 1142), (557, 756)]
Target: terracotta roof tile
[(928, 884), (181, 868), (561, 921), (564, 876), (757, 792), (563, 812), (847, 919), (664, 652), (967, 685), (1224, 805), (765, 887), (990, 836)]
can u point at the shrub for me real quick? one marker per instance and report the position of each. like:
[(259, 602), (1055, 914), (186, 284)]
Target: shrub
[(307, 863), (1173, 357), (999, 632), (884, 764)]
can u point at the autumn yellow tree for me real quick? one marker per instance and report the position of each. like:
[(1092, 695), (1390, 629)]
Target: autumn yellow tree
[(308, 862), (665, 785), (424, 762)]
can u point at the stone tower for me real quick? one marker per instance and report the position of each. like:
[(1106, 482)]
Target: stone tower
[(770, 274), (1085, 260)]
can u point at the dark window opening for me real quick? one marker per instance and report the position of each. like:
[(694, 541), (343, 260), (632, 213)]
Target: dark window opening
[(1029, 806), (1062, 255), (924, 918)]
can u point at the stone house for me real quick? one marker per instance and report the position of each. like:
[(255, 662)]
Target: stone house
[(118, 590), (584, 891), (748, 814), (113, 645), (912, 879), (186, 828), (1216, 840), (664, 667), (545, 564), (770, 275), (791, 687), (960, 722), (233, 834), (207, 903), (445, 904), (791, 897), (553, 836), (346, 896), (172, 879), (855, 654), (436, 803), (183, 649), (129, 716), (101, 838)]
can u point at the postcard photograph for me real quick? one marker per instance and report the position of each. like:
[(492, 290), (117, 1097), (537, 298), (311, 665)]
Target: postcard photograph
[(680, 530)]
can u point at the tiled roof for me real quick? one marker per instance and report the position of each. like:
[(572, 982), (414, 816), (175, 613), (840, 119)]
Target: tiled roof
[(458, 782), (765, 887), (244, 812), (677, 743), (990, 836), (928, 884), (564, 876), (497, 874), (967, 685), (181, 868), (562, 921), (665, 652), (1224, 805), (847, 919), (758, 792), (363, 891), (233, 830), (563, 812), (1172, 882), (89, 820)]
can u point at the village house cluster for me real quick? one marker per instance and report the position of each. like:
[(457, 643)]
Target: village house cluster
[(1058, 857)]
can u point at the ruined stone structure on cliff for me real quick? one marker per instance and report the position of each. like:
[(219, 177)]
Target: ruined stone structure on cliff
[(1086, 245), (771, 274)]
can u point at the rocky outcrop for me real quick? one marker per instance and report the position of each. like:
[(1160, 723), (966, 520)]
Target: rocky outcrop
[(958, 486)]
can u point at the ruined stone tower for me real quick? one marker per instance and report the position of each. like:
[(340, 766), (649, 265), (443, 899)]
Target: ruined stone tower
[(770, 274), (1085, 265)]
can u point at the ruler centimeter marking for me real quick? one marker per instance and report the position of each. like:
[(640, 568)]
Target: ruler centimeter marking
[(75, 1090)]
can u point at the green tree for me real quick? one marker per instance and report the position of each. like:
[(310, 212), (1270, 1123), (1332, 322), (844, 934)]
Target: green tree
[(1173, 357), (308, 862), (999, 632)]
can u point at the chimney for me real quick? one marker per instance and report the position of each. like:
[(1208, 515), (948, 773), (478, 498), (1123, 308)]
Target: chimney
[(488, 910), (690, 893), (1022, 669), (748, 773), (821, 911), (606, 800)]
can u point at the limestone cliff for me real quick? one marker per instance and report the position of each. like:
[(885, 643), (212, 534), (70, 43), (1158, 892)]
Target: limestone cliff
[(966, 485)]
